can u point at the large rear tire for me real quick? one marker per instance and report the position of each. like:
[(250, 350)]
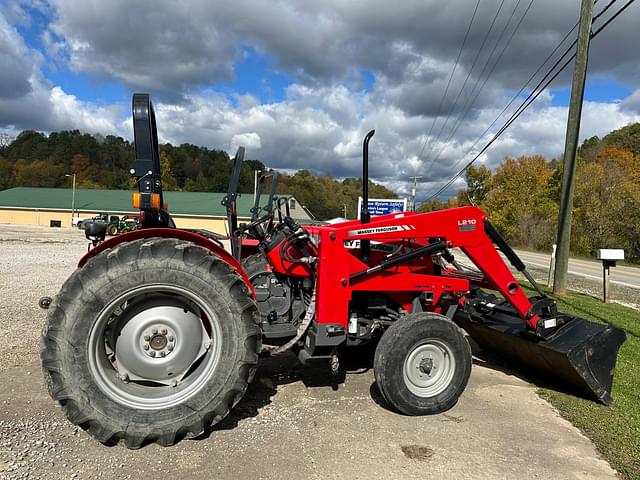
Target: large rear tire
[(422, 364), (152, 341)]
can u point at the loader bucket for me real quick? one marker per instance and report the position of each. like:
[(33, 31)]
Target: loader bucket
[(580, 357)]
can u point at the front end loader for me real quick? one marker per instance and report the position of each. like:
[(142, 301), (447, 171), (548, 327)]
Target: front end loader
[(156, 335)]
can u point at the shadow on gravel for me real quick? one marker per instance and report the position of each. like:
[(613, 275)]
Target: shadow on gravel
[(480, 358), (285, 369), (492, 362), (376, 396)]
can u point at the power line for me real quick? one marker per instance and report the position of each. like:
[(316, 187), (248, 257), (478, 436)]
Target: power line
[(532, 96), (533, 91), (613, 17), (528, 101), (517, 95), (533, 75), (463, 111), (472, 98), (473, 65), (453, 71)]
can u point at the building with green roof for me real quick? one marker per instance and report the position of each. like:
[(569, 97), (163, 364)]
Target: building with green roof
[(42, 206)]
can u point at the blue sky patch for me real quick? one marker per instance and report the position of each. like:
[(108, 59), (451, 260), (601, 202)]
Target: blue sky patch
[(368, 78), (255, 74), (597, 89), (38, 24)]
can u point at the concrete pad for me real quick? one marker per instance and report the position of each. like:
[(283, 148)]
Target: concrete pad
[(292, 423), (284, 429)]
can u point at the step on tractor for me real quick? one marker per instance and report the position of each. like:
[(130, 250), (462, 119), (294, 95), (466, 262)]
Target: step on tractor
[(157, 334)]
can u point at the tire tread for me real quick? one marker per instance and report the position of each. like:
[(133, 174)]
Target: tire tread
[(63, 388)]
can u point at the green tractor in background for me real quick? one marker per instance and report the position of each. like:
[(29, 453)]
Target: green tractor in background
[(117, 224), (114, 223)]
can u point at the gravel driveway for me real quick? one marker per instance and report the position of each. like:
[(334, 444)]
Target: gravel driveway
[(292, 423)]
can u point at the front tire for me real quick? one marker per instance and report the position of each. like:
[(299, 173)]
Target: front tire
[(422, 364), (152, 341)]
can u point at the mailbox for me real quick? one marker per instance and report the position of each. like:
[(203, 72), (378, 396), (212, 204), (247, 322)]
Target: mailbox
[(609, 257)]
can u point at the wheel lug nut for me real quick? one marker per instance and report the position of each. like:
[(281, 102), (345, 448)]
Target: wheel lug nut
[(164, 331), (146, 347), (174, 383), (154, 331), (170, 347), (147, 338), (170, 338), (162, 354), (152, 353), (124, 377)]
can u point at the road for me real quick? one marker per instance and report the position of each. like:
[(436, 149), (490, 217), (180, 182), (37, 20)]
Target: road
[(622, 275)]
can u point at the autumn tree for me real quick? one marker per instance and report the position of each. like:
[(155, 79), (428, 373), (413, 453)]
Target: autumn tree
[(477, 180), (6, 174), (519, 202), (39, 174), (606, 200), (434, 204), (169, 182)]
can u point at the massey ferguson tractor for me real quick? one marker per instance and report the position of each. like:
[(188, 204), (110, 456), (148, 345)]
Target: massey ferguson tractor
[(156, 335)]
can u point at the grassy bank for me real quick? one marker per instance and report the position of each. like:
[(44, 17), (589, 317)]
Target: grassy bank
[(615, 430)]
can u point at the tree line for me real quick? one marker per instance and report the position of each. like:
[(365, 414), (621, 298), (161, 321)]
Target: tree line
[(34, 159), (522, 196)]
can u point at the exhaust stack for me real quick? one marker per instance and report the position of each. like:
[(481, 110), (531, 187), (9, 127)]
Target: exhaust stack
[(365, 245)]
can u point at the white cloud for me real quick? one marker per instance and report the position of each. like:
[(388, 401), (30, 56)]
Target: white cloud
[(172, 48), (300, 132), (14, 13), (249, 140), (177, 51), (29, 101)]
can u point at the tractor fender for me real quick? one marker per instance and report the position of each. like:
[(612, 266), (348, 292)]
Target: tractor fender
[(186, 235)]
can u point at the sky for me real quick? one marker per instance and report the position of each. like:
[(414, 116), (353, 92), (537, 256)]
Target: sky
[(299, 83)]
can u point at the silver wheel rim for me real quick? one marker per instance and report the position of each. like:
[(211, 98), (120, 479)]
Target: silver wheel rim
[(154, 347), (429, 368)]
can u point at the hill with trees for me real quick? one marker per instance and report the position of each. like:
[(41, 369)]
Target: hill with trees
[(34, 159), (521, 197)]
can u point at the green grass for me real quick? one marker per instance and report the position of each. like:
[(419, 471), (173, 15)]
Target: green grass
[(615, 430)]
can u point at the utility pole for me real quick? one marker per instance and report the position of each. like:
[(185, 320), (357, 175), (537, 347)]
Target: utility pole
[(413, 193), (255, 185), (571, 148), (73, 196), (345, 210)]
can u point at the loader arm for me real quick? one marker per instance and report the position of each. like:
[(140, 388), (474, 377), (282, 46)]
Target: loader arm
[(463, 228), (571, 351)]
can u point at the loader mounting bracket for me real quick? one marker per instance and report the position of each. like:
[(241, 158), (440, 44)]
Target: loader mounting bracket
[(543, 307)]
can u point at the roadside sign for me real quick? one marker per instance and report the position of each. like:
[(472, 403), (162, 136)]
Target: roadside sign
[(383, 206)]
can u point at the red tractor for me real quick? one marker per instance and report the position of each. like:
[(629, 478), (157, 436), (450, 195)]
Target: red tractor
[(156, 336)]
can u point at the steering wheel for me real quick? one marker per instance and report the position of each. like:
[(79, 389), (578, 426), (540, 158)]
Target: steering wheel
[(253, 225)]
